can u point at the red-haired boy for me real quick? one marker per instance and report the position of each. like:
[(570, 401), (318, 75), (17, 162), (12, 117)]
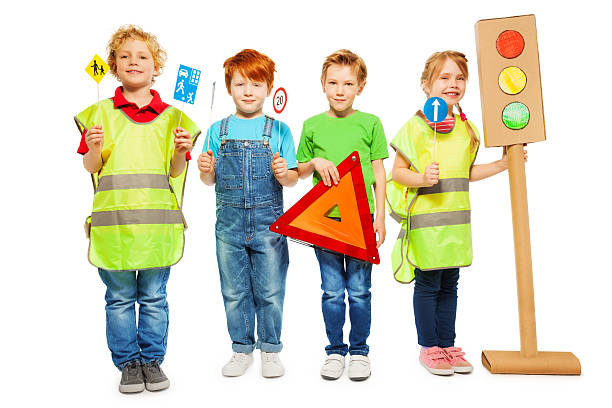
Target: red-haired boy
[(244, 163)]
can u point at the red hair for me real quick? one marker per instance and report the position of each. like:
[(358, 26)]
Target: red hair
[(250, 64)]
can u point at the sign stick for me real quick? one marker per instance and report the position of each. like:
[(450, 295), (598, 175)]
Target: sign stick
[(181, 115), (99, 113), (212, 101), (435, 144)]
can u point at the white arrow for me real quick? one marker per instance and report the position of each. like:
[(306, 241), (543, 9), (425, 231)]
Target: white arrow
[(435, 104)]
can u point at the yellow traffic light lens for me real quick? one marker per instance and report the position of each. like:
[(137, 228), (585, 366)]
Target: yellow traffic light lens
[(512, 80), (515, 116), (510, 44)]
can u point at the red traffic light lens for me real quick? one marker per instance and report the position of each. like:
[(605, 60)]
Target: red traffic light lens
[(510, 44)]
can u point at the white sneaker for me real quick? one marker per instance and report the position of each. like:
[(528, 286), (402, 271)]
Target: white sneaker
[(359, 368), (333, 367), (237, 365), (271, 366)]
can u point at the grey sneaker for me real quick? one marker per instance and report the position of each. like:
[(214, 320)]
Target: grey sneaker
[(154, 377), (131, 378), (271, 366)]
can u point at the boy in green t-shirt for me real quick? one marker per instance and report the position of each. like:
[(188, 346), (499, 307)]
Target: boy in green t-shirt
[(327, 139)]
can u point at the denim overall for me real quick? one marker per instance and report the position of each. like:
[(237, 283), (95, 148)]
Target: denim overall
[(252, 260)]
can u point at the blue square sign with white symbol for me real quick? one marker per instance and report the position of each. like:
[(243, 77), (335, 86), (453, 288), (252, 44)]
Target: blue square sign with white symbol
[(187, 82)]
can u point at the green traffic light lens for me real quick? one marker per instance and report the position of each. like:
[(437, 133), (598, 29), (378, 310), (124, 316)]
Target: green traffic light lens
[(515, 116)]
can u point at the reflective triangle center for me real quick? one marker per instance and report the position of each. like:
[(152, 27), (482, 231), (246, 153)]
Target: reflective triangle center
[(348, 229)]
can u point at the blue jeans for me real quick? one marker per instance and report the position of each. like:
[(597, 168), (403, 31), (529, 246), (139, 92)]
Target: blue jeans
[(253, 264), (339, 273), (145, 341), (435, 306)]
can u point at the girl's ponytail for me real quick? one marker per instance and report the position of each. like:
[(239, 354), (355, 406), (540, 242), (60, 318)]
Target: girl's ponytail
[(473, 139)]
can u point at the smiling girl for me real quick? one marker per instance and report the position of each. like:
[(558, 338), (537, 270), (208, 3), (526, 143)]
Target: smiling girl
[(436, 238)]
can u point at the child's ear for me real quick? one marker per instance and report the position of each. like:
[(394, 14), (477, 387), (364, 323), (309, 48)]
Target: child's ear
[(323, 84), (360, 90), (269, 91), (425, 87)]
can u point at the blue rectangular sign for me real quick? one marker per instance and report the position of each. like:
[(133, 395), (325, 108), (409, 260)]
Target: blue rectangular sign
[(187, 82)]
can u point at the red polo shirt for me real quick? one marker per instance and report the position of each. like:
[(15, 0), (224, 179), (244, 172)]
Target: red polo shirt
[(138, 115)]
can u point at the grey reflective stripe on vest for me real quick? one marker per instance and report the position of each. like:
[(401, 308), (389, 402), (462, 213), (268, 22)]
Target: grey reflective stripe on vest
[(448, 185), (440, 219), (125, 217), (128, 181), (396, 216), (401, 234)]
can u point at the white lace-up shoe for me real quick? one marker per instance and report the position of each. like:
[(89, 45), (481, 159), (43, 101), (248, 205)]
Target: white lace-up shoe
[(333, 367), (359, 368), (237, 365), (271, 366)]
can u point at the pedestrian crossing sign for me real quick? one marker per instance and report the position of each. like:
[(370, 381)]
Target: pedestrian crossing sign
[(187, 81), (97, 68)]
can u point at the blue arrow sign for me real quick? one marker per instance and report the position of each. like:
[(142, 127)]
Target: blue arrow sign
[(187, 82), (435, 109)]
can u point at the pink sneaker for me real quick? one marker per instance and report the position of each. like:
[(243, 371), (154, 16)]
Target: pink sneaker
[(435, 361), (455, 358)]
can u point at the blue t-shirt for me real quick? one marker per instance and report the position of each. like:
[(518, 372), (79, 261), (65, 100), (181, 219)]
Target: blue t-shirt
[(252, 129)]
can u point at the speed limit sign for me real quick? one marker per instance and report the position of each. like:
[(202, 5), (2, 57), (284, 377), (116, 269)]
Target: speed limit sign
[(279, 100)]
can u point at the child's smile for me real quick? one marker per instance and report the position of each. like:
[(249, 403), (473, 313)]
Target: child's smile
[(341, 86), (449, 85), (248, 95), (135, 66)]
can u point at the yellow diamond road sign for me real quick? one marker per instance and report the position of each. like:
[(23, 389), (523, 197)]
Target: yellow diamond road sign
[(97, 68)]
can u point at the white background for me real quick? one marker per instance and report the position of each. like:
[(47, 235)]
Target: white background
[(53, 323)]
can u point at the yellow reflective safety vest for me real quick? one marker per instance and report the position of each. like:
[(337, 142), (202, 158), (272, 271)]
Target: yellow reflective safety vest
[(136, 222), (435, 221)]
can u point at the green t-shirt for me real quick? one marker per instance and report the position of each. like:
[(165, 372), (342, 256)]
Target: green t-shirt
[(334, 139)]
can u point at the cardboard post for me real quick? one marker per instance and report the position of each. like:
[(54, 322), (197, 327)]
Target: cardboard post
[(511, 97)]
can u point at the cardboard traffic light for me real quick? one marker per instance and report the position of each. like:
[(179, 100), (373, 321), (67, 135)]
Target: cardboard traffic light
[(512, 114), (510, 87), (307, 221)]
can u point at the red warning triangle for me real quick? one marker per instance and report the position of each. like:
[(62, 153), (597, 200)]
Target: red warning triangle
[(353, 235)]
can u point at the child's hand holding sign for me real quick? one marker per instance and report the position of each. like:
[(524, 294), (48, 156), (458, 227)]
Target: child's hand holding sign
[(280, 167), (95, 139), (206, 162), (182, 141)]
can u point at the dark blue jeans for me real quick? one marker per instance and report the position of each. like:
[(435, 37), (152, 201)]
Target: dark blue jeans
[(340, 273), (435, 306)]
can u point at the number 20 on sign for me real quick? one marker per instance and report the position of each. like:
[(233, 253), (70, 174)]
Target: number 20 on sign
[(280, 100)]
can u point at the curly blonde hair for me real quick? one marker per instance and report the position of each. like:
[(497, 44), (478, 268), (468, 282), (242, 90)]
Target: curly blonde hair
[(127, 32)]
